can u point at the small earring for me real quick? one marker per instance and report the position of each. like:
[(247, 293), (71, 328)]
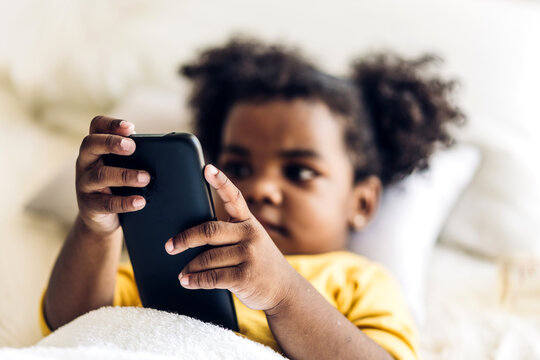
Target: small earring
[(358, 222)]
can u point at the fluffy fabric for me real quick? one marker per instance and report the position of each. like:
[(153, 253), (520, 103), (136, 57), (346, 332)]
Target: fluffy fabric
[(465, 319), (79, 353), (139, 333)]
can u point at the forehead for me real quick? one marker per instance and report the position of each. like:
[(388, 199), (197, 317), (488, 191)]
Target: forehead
[(284, 125)]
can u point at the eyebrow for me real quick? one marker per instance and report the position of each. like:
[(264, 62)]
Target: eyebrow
[(299, 153), (234, 149), (288, 154)]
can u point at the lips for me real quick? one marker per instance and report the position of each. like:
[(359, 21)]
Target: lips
[(273, 228), (270, 223)]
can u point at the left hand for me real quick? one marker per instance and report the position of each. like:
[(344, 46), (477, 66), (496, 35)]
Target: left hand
[(247, 262)]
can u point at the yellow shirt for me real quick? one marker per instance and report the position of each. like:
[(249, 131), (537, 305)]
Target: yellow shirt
[(364, 292)]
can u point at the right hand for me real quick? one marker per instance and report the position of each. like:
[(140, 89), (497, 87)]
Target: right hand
[(98, 208)]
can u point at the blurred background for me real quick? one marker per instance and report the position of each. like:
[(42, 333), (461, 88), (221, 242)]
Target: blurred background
[(472, 274)]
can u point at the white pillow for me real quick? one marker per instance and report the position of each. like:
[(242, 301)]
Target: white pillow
[(410, 217), (500, 212)]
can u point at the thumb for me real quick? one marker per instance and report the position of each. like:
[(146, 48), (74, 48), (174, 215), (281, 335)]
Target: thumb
[(234, 203)]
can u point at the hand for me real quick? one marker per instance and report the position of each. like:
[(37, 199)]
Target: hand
[(247, 262), (98, 208)]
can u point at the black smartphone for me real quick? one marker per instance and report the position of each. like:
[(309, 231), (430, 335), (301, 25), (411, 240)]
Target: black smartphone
[(177, 198)]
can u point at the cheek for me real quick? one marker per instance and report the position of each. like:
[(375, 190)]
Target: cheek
[(321, 212)]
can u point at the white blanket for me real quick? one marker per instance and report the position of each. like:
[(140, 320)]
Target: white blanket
[(138, 333), (465, 317)]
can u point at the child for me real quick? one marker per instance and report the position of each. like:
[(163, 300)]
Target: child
[(305, 156)]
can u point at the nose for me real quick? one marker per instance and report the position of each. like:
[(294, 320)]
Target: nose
[(264, 189)]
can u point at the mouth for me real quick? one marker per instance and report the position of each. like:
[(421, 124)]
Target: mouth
[(273, 228)]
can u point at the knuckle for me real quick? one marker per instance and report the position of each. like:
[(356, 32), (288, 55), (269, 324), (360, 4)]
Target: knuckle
[(181, 239), (211, 278), (83, 201), (85, 143), (78, 183), (95, 121), (108, 204), (238, 273), (78, 168), (196, 280), (247, 230), (246, 249), (109, 141), (237, 195), (98, 175), (113, 125), (125, 176), (83, 183), (206, 258), (209, 228), (223, 183), (124, 205)]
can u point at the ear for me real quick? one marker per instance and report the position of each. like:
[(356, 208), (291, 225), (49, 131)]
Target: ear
[(364, 202)]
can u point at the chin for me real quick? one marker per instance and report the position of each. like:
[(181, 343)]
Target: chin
[(289, 248)]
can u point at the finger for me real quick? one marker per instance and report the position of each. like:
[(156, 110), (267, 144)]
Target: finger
[(223, 278), (207, 233), (106, 125), (106, 176), (100, 203), (234, 203), (215, 258), (95, 145)]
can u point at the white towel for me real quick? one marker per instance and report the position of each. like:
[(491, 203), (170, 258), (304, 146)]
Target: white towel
[(139, 333)]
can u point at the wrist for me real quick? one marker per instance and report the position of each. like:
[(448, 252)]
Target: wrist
[(85, 231), (288, 295)]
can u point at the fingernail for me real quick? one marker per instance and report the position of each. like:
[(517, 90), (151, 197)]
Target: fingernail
[(169, 246), (184, 280), (212, 170), (126, 125), (143, 177), (138, 202), (127, 144)]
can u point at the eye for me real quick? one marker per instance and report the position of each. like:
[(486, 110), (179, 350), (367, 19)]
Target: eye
[(300, 173), (237, 169)]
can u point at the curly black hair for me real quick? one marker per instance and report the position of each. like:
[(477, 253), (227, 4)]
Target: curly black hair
[(394, 112)]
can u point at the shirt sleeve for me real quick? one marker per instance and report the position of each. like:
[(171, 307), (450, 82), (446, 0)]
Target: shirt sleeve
[(125, 294), (43, 324), (373, 302)]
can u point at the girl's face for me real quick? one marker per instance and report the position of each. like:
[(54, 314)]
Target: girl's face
[(289, 160)]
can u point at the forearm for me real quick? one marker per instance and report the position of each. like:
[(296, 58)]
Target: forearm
[(84, 275), (306, 326)]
